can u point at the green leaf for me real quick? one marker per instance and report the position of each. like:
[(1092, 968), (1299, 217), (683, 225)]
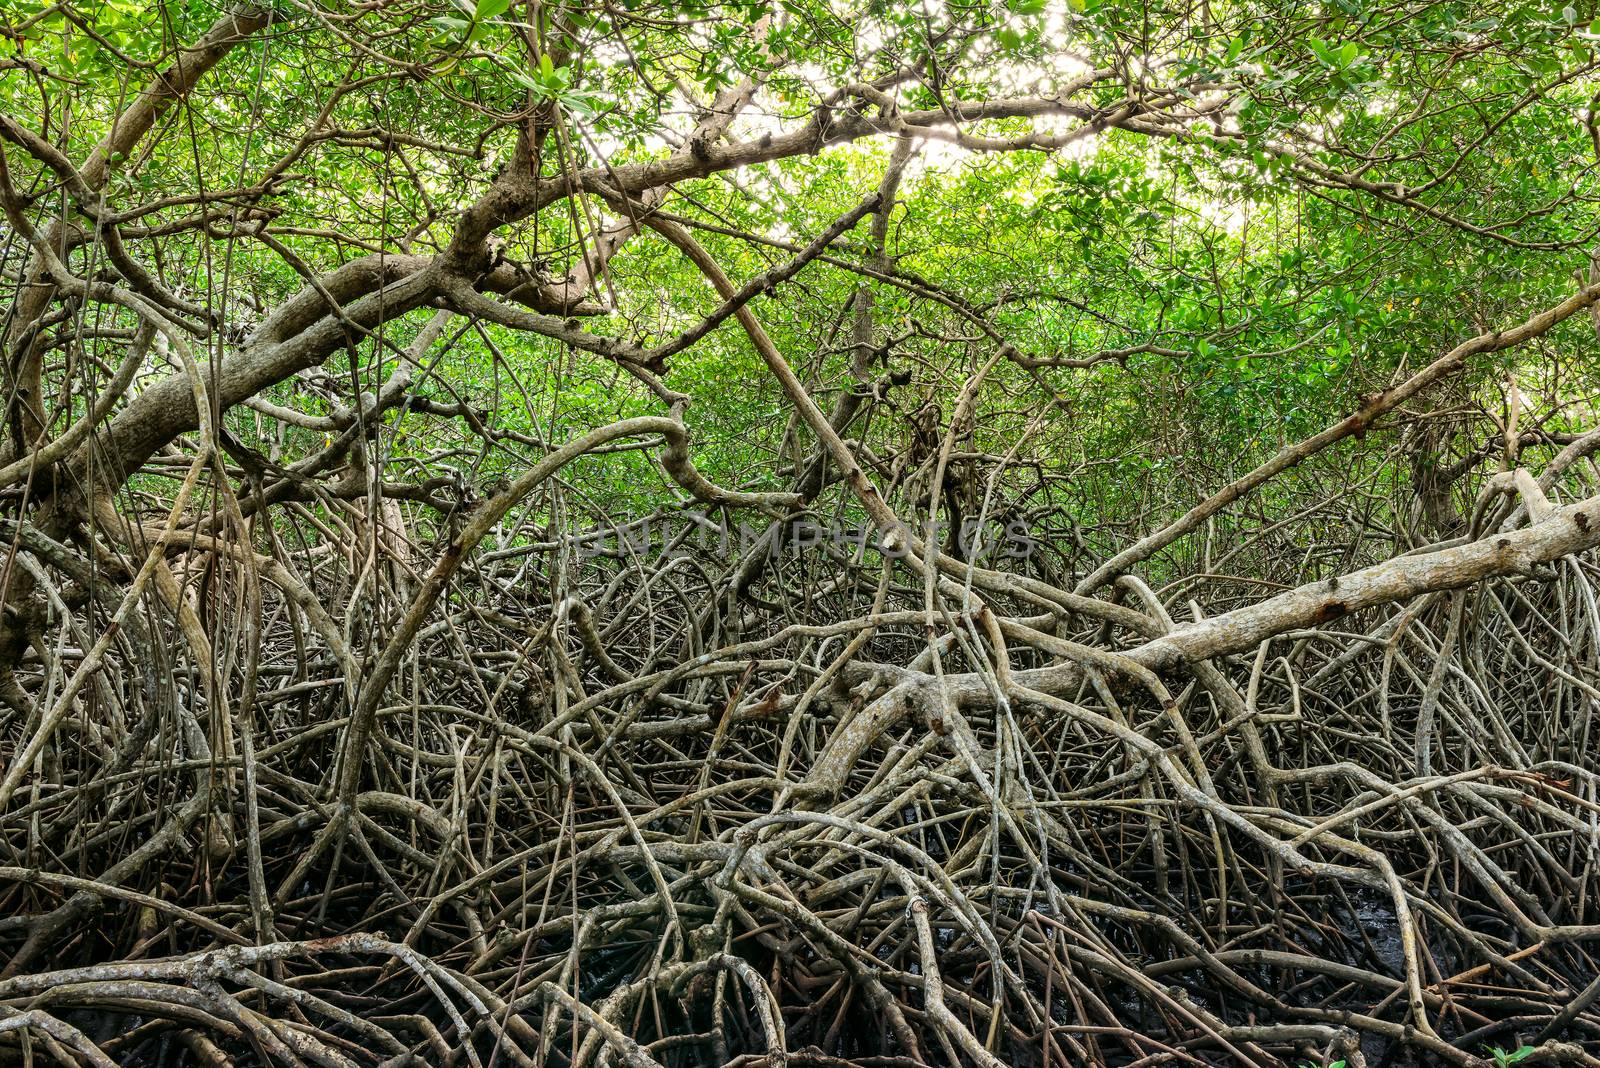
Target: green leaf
[(448, 31), (489, 9)]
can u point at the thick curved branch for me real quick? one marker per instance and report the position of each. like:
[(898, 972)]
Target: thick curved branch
[(1356, 423)]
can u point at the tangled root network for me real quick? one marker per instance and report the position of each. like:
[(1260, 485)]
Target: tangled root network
[(804, 534), (965, 818)]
